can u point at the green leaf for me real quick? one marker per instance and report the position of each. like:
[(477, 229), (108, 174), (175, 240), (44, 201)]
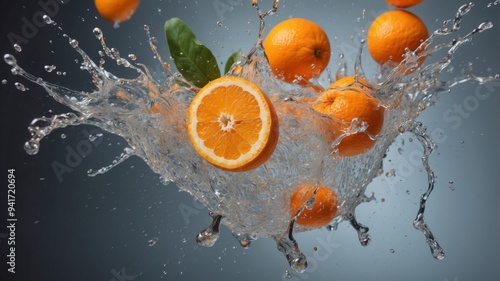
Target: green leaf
[(193, 60), (236, 56)]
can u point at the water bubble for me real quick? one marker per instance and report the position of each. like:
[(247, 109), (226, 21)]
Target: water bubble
[(49, 68), (4, 81), (219, 23), (63, 136), (392, 251), (407, 192), (17, 48)]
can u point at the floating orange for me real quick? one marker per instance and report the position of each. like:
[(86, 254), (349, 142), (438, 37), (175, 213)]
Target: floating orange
[(345, 100), (322, 211), (116, 10)]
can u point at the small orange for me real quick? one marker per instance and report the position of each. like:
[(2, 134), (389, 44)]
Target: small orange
[(116, 11), (403, 3), (297, 48), (345, 100), (323, 210), (391, 33), (232, 124)]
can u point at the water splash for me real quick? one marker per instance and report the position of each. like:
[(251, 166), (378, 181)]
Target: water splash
[(151, 117)]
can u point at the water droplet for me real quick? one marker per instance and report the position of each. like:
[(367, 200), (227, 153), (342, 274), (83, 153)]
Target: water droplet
[(98, 33), (9, 59), (184, 240), (63, 136), (47, 19), (153, 241), (49, 68), (392, 251), (4, 81), (132, 57), (451, 185), (219, 23), (31, 147), (73, 43), (287, 274), (209, 235), (391, 173), (20, 87), (408, 192), (484, 26), (17, 48)]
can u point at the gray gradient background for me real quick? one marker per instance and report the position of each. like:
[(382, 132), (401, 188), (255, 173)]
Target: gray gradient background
[(84, 228)]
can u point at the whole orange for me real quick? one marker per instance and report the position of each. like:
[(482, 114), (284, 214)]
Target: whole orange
[(116, 10), (391, 33), (403, 3), (345, 100), (297, 48), (321, 212)]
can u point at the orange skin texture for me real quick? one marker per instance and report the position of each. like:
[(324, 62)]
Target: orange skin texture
[(345, 104), (116, 10), (391, 33), (403, 3), (297, 47), (323, 210)]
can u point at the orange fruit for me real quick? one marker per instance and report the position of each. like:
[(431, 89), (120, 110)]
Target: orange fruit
[(403, 3), (297, 48), (116, 10), (345, 100), (391, 33), (323, 210), (232, 124)]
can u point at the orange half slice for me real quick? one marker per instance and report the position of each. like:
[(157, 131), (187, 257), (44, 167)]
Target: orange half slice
[(232, 124)]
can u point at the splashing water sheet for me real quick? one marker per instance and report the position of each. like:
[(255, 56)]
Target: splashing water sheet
[(98, 172)]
